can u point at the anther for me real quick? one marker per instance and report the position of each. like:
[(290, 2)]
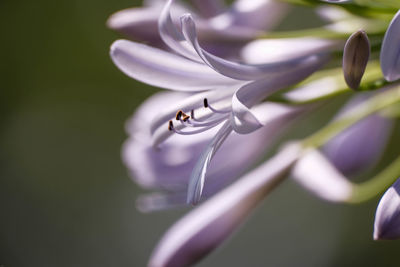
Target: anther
[(205, 103), (170, 126), (192, 113), (185, 117), (178, 115)]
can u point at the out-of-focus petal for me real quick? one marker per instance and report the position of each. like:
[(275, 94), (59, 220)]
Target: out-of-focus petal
[(315, 173), (233, 69), (387, 217), (137, 23), (390, 51), (360, 146), (205, 228), (197, 178), (275, 50), (314, 89), (163, 69), (209, 8), (257, 14)]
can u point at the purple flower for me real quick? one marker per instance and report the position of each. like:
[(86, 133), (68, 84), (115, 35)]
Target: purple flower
[(387, 217), (232, 92), (168, 169)]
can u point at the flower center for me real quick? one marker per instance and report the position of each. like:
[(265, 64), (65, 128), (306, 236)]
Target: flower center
[(199, 125)]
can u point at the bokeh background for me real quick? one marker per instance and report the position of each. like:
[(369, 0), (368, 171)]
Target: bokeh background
[(65, 196)]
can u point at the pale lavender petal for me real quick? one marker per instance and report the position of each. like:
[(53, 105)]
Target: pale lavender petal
[(247, 120), (360, 146), (197, 178), (257, 14), (163, 69), (274, 50), (137, 23), (387, 217), (172, 37), (209, 8), (314, 89), (253, 93), (390, 51), (315, 173), (205, 228), (233, 69)]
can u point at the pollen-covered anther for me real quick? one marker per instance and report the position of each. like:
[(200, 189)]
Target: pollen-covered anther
[(179, 115), (185, 117), (170, 125)]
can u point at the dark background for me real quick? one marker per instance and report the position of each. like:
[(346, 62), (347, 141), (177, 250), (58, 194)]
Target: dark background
[(65, 196)]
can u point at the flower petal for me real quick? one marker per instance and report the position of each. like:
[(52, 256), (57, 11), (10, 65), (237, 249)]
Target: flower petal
[(315, 173), (252, 93), (163, 69), (233, 69), (206, 227), (360, 146), (196, 181), (209, 8), (274, 50), (387, 217), (137, 23), (172, 37), (390, 51)]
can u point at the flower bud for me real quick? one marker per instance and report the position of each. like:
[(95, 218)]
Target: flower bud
[(355, 58), (390, 51), (387, 217)]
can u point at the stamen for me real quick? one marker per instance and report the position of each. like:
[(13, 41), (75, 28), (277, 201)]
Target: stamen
[(170, 126), (192, 114), (185, 117), (195, 123), (221, 111), (200, 130), (178, 115), (205, 101)]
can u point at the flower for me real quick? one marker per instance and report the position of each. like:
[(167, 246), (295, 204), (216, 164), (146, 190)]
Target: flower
[(232, 91), (223, 108), (387, 217)]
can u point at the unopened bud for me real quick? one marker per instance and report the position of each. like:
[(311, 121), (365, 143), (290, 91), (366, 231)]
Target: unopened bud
[(390, 51), (355, 58), (387, 217)]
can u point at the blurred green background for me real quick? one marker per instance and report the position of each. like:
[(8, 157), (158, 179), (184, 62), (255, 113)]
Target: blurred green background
[(66, 198)]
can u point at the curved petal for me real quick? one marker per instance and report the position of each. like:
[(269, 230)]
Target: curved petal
[(390, 51), (315, 173), (232, 69), (264, 51), (360, 146), (172, 37), (249, 120), (137, 23), (387, 217), (163, 69), (252, 93), (197, 178), (206, 227)]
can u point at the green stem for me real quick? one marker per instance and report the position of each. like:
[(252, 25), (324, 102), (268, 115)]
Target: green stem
[(371, 188)]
